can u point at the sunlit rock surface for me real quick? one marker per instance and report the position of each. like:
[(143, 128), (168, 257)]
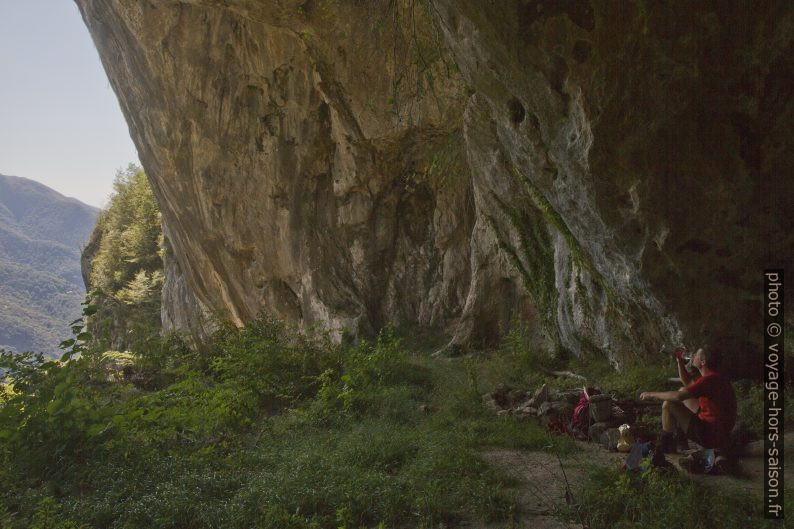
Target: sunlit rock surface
[(610, 173)]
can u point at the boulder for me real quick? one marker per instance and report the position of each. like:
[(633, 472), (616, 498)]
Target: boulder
[(609, 439), (572, 396), (598, 428)]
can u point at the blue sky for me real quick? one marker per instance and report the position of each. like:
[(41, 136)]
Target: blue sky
[(60, 122)]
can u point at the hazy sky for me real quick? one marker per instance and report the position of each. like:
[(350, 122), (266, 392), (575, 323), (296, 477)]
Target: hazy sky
[(60, 122)]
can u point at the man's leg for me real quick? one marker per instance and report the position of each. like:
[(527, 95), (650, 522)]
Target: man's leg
[(675, 415), (683, 435), (692, 403)]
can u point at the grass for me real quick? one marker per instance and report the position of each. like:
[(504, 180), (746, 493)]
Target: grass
[(615, 499)]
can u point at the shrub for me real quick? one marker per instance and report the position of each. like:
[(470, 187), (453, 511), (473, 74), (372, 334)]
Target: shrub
[(50, 413)]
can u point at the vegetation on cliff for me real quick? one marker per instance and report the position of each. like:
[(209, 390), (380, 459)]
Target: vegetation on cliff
[(125, 266)]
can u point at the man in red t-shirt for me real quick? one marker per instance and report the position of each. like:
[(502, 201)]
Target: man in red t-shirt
[(705, 408)]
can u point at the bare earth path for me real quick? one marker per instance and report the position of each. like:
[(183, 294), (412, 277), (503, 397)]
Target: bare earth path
[(542, 479)]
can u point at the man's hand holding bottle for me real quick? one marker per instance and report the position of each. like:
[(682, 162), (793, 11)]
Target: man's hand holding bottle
[(681, 354)]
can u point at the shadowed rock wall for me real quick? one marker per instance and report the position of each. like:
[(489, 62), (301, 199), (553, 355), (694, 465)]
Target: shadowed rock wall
[(659, 137), (603, 170)]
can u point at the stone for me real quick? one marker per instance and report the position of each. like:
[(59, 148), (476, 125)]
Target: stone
[(609, 439), (601, 407), (526, 411), (740, 436), (752, 449), (596, 429), (571, 396), (524, 403), (558, 408)]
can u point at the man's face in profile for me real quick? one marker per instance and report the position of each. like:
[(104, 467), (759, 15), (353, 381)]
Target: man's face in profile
[(698, 359)]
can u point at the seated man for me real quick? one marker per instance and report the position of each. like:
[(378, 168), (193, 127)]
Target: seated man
[(704, 409)]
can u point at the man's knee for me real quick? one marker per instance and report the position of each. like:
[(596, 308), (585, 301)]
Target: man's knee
[(673, 406)]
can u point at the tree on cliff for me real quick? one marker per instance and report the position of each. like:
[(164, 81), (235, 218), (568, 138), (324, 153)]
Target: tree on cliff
[(125, 267)]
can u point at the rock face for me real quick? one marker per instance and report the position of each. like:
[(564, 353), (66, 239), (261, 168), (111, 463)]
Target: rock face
[(655, 140), (292, 175), (602, 171)]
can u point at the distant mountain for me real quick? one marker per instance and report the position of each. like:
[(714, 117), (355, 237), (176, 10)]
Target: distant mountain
[(41, 288)]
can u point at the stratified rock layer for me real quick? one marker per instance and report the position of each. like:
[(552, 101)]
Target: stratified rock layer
[(603, 171)]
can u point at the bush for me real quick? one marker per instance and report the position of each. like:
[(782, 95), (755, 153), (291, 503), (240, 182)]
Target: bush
[(269, 363), (49, 414)]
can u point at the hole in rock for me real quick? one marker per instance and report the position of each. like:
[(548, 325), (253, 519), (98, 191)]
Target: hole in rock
[(516, 109), (581, 51)]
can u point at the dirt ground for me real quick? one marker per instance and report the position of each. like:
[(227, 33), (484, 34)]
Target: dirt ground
[(542, 479)]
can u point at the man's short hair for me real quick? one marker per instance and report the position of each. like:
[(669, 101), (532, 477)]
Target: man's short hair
[(713, 357)]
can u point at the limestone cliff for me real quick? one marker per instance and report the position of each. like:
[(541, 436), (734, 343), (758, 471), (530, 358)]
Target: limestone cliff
[(657, 140), (603, 170)]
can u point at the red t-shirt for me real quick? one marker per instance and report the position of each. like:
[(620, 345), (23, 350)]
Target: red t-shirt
[(717, 405)]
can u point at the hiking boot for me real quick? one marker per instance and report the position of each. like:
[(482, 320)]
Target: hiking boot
[(656, 460), (722, 466), (691, 465)]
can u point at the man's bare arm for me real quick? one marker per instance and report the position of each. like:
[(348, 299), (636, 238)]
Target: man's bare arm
[(683, 374), (677, 396)]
